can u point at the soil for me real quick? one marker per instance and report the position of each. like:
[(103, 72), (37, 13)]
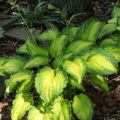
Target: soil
[(106, 105)]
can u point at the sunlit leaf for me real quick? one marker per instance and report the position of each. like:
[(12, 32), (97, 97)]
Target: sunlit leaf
[(61, 109), (14, 64), (77, 47), (36, 114), (21, 104), (76, 68), (36, 62), (82, 107), (50, 83), (49, 34), (89, 30), (102, 63)]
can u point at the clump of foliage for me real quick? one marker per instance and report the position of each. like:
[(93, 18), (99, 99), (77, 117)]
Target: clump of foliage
[(49, 82)]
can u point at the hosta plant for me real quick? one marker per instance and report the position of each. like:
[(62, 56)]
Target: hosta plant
[(49, 81)]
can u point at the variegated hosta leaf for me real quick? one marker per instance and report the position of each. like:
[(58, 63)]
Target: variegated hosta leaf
[(116, 11), (50, 83), (75, 84), (112, 21), (89, 31), (36, 114), (36, 62), (26, 85), (76, 68), (102, 63), (78, 46), (99, 81), (115, 51), (108, 42), (21, 76), (10, 87), (61, 109), (25, 80), (2, 61), (22, 49), (58, 45), (82, 107), (71, 32), (21, 104), (60, 59), (107, 29), (13, 64), (34, 49), (49, 34)]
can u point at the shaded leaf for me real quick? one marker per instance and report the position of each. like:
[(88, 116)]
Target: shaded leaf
[(100, 81), (34, 49), (58, 45), (107, 29)]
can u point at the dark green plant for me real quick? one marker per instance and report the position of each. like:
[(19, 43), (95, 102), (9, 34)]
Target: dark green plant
[(2, 31), (49, 82)]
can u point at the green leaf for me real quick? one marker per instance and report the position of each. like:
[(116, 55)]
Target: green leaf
[(10, 87), (60, 59), (2, 31), (49, 34), (21, 76), (102, 63), (116, 11), (22, 49), (107, 29), (76, 68), (99, 81), (77, 47), (36, 62), (2, 61), (50, 83), (58, 45), (26, 85), (108, 42), (21, 104), (14, 64), (90, 30), (75, 84), (71, 33), (82, 107), (36, 114), (115, 51), (61, 109), (34, 49), (112, 21)]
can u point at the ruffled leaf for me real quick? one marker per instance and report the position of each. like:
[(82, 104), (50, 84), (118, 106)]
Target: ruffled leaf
[(76, 68), (50, 83), (21, 104)]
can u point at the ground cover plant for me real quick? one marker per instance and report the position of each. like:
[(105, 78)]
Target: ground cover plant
[(49, 81)]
